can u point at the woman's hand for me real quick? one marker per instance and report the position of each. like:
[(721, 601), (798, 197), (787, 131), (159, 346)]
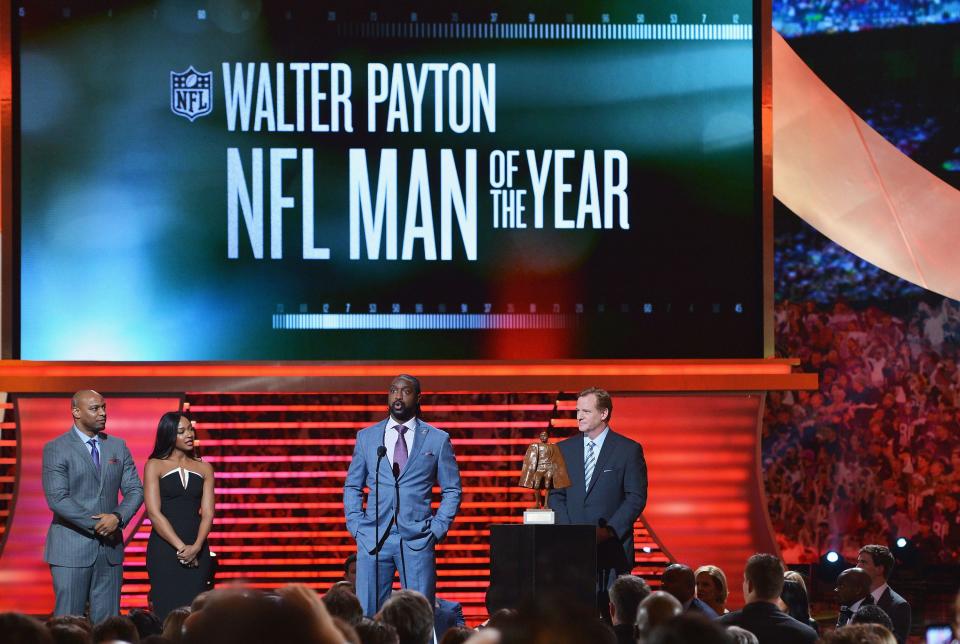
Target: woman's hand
[(188, 554)]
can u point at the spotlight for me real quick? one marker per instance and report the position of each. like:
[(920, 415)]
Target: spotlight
[(901, 542), (832, 557), (831, 564)]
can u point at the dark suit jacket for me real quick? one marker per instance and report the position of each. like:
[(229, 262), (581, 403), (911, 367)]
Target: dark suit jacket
[(899, 611), (624, 633), (446, 615), (617, 492), (771, 626), (698, 606)]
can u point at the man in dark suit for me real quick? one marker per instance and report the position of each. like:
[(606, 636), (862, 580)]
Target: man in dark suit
[(626, 593), (877, 561), (608, 489), (84, 470), (679, 581), (762, 584), (853, 591)]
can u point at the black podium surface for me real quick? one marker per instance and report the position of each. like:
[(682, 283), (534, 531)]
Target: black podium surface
[(528, 561)]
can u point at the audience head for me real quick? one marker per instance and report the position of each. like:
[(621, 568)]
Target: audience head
[(173, 624), (853, 584), (146, 621), (711, 585), (554, 620), (117, 627), (411, 614), (71, 620), (762, 578), (456, 635), (689, 627), (18, 628), (346, 630), (872, 614), (343, 604), (657, 608), (350, 569), (679, 581), (502, 617), (496, 598), (860, 634), (741, 635), (65, 633), (373, 632), (877, 561), (201, 600), (794, 596), (626, 593)]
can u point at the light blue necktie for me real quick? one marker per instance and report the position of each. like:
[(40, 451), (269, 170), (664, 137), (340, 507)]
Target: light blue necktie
[(588, 465)]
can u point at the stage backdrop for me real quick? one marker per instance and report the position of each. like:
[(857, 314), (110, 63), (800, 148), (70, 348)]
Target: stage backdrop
[(285, 182)]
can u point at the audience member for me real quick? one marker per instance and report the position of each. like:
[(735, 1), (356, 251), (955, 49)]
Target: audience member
[(117, 627), (374, 632), (690, 627), (456, 635), (860, 634), (18, 628), (712, 588), (146, 621), (348, 633), (69, 634), (350, 569), (410, 613), (853, 590), (626, 593), (173, 624), (679, 581), (741, 635), (446, 615), (762, 583), (343, 604), (71, 620), (796, 604), (657, 608), (872, 614), (877, 561)]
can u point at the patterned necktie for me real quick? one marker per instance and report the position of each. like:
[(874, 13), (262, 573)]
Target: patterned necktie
[(95, 453), (400, 453), (591, 460)]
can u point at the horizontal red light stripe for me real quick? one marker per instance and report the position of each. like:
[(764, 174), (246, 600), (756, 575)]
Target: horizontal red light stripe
[(337, 424), (338, 442), (355, 408)]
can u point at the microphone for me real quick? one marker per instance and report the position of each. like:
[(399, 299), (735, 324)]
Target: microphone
[(381, 452), (396, 470)]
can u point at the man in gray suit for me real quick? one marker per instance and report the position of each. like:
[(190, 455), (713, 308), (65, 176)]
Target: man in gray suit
[(83, 471)]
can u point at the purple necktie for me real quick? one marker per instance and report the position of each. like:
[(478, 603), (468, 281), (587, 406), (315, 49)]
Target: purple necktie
[(400, 453), (95, 453)]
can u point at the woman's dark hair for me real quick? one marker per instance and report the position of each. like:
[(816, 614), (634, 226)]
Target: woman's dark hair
[(795, 597), (167, 435)]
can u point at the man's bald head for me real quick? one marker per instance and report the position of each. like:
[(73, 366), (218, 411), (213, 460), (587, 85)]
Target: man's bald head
[(679, 581), (89, 412), (657, 608), (853, 584)]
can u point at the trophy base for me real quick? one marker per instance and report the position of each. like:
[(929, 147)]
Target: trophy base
[(538, 517)]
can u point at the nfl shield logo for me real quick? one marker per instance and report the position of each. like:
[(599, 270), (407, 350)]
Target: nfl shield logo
[(191, 93)]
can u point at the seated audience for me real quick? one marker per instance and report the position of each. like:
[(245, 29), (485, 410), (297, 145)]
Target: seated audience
[(657, 608), (679, 581), (69, 634), (741, 635), (626, 593), (342, 603), (795, 602), (690, 627), (146, 621), (712, 588), (22, 629), (410, 613), (860, 634), (446, 615), (374, 632), (116, 628), (872, 614), (762, 583), (456, 635), (173, 624)]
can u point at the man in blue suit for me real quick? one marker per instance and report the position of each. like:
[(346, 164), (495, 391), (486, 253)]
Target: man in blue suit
[(407, 456), (83, 472), (608, 476)]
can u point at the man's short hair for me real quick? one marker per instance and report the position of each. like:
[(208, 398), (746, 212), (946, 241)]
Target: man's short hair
[(881, 556), (342, 603), (116, 628), (411, 614), (872, 614), (690, 627), (765, 574), (413, 380), (17, 627), (626, 593), (373, 632), (351, 559), (741, 635), (604, 401)]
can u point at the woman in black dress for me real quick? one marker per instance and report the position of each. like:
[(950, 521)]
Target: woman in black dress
[(178, 489)]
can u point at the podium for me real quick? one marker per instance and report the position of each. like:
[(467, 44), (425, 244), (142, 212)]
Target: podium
[(528, 561)]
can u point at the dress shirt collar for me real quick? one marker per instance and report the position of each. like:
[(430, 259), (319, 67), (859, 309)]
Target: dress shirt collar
[(393, 422), (598, 441), (84, 438), (878, 593)]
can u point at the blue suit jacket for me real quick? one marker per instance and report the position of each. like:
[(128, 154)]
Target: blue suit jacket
[(431, 460), (446, 615), (75, 492), (617, 492)]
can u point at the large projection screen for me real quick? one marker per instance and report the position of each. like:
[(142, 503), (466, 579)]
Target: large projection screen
[(349, 181)]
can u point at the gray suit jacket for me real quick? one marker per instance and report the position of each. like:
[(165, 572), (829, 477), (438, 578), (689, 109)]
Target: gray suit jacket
[(75, 492), (431, 461)]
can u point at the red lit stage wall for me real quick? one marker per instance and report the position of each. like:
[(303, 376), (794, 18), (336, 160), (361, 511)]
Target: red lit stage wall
[(281, 458), (25, 583)]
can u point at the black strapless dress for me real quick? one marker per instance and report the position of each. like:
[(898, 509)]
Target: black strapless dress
[(172, 584)]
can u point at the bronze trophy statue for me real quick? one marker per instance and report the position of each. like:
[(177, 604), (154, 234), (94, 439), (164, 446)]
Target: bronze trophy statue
[(543, 469)]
